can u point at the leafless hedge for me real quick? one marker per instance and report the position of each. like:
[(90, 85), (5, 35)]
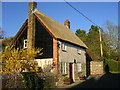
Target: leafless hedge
[(18, 81)]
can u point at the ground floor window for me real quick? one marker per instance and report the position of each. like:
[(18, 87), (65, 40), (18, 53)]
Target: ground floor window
[(25, 43), (79, 67), (63, 67)]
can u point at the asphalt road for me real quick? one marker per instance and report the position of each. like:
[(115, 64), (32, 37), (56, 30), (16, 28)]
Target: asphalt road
[(105, 81)]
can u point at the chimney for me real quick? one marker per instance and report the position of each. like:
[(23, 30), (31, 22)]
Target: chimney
[(31, 25), (67, 23)]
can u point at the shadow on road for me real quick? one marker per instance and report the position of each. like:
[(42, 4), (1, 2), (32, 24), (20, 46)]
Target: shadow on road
[(106, 81)]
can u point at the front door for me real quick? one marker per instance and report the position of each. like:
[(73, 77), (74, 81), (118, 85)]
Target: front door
[(71, 70)]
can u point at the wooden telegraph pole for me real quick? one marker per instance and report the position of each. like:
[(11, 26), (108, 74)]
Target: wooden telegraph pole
[(101, 47)]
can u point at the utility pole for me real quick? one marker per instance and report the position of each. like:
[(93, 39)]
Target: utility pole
[(101, 47)]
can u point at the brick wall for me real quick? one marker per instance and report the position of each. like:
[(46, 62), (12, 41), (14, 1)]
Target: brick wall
[(31, 25), (55, 55), (96, 67)]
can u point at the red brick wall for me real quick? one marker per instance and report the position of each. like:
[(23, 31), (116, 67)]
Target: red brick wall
[(55, 54)]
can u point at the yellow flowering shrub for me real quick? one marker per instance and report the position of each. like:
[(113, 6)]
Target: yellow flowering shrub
[(16, 60)]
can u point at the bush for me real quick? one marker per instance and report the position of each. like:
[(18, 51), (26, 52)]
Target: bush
[(29, 80), (49, 78), (13, 81), (66, 78), (12, 60), (82, 75), (32, 81), (111, 65)]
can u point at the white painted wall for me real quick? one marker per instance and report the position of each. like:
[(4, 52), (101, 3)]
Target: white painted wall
[(43, 63), (71, 53)]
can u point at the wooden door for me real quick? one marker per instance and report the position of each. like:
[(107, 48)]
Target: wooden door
[(71, 70)]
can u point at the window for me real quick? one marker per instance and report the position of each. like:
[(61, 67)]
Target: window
[(64, 47), (78, 51), (63, 68), (25, 43), (79, 68)]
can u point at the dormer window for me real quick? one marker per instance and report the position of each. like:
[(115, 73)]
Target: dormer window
[(64, 47), (25, 43), (79, 51)]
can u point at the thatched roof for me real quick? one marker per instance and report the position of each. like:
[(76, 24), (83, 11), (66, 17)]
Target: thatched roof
[(24, 24), (58, 30), (91, 55)]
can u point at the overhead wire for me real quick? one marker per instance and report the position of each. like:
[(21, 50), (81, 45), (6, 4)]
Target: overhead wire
[(100, 29), (81, 13)]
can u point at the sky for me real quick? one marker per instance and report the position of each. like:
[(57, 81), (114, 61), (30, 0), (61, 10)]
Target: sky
[(14, 14)]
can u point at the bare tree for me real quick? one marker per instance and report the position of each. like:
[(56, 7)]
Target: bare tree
[(111, 38), (1, 33)]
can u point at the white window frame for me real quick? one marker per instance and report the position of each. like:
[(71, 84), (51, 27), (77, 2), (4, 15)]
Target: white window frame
[(25, 43), (79, 51), (64, 47), (63, 68), (79, 67)]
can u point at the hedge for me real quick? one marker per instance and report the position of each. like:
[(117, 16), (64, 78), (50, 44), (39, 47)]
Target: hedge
[(111, 65), (29, 81)]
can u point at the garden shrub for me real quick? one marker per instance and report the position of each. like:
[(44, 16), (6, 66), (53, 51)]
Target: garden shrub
[(16, 60), (13, 81), (49, 78), (113, 66), (29, 80), (32, 81)]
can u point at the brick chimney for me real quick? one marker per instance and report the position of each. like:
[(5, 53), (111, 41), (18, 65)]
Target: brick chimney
[(31, 25), (67, 23)]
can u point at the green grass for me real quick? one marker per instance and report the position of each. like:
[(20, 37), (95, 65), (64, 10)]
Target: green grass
[(114, 72)]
